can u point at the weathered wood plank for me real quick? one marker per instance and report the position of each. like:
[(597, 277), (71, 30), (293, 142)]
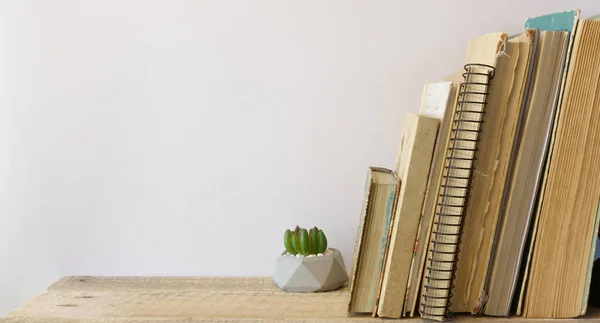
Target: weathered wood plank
[(163, 283), (246, 320), (126, 320), (195, 300), (187, 303)]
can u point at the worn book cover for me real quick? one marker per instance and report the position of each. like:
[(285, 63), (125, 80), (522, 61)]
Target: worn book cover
[(494, 156), (524, 182), (414, 158), (439, 101), (381, 191)]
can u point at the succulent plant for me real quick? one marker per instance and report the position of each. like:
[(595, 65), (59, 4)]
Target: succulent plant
[(305, 242)]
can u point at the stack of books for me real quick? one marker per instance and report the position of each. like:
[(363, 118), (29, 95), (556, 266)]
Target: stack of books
[(492, 207)]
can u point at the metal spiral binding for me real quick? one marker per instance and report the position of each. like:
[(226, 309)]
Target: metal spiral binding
[(450, 216)]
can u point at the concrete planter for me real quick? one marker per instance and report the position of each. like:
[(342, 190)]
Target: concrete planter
[(310, 274)]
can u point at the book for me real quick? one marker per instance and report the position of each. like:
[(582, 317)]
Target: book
[(494, 156), (415, 151), (381, 191), (435, 99), (454, 187), (439, 102), (524, 182), (505, 213), (567, 227), (559, 21)]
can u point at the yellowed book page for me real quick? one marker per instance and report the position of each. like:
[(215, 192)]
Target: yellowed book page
[(445, 98), (572, 32), (505, 156), (412, 166), (518, 212), (456, 176), (480, 224), (568, 212)]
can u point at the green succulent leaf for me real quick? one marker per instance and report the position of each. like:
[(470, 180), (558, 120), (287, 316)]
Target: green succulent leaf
[(296, 243), (287, 241), (313, 243), (304, 243), (314, 236), (322, 242)]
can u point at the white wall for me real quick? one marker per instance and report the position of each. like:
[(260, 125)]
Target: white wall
[(182, 137)]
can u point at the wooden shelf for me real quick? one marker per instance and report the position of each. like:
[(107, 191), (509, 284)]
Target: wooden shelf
[(194, 299)]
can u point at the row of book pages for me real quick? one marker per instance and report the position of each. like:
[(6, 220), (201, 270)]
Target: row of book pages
[(493, 205)]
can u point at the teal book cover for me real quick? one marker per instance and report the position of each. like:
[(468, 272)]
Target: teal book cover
[(558, 21)]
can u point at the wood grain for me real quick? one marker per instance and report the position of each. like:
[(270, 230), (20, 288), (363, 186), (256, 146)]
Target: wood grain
[(191, 300), (73, 283)]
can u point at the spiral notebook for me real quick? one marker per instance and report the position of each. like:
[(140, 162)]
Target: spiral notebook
[(506, 100), (454, 188)]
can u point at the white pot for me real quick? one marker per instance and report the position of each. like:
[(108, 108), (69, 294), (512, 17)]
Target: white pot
[(310, 274)]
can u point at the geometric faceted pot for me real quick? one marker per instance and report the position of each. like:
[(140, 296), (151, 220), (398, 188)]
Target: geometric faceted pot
[(310, 274)]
